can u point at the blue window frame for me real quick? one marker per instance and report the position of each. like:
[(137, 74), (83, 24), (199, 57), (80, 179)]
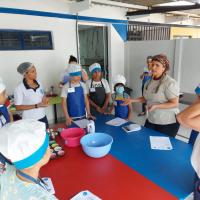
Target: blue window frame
[(25, 40)]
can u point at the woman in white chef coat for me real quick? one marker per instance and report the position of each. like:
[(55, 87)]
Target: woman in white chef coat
[(29, 95)]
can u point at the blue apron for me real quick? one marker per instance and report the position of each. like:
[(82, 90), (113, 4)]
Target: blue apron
[(76, 102), (121, 111), (4, 116)]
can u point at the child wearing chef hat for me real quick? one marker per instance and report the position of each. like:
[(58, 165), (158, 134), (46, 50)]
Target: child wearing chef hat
[(74, 96), (26, 144), (118, 98)]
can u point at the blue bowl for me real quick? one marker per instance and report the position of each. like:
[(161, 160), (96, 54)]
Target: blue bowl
[(96, 145)]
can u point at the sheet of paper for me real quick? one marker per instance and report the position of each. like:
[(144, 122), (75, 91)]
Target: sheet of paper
[(85, 195), (160, 143), (132, 128), (190, 196), (82, 123), (49, 185), (116, 122)]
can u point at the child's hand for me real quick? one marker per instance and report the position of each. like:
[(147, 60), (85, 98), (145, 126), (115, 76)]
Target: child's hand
[(91, 117), (98, 109), (129, 118), (102, 110), (108, 113), (69, 121)]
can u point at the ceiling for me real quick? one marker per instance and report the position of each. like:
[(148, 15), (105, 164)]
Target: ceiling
[(142, 7), (144, 2), (153, 3)]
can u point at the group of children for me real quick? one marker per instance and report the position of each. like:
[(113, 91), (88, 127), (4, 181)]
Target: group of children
[(94, 96)]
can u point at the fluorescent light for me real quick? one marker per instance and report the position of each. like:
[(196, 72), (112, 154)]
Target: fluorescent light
[(177, 3)]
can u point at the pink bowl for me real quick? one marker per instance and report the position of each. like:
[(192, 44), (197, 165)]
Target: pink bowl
[(72, 136)]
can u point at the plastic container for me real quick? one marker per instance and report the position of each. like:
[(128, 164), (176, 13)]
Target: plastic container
[(96, 145), (91, 127), (72, 136)]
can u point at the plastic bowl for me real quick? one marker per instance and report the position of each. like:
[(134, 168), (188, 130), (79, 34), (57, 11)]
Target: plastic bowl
[(96, 145), (72, 136)]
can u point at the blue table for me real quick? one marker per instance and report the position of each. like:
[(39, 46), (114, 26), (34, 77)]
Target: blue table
[(170, 170)]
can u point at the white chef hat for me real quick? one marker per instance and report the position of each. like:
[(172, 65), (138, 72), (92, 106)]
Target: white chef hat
[(2, 86), (74, 69), (24, 142), (24, 67), (94, 67), (119, 79)]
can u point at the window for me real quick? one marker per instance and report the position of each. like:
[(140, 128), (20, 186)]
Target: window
[(35, 40), (9, 40), (25, 40)]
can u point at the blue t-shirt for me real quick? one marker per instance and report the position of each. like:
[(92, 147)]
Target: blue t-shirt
[(197, 90), (66, 79), (146, 75)]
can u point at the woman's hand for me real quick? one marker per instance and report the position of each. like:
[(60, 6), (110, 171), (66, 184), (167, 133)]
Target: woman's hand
[(46, 100), (44, 103), (152, 107), (69, 121), (127, 102)]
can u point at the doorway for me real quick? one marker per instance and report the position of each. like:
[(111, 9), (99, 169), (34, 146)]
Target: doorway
[(93, 46)]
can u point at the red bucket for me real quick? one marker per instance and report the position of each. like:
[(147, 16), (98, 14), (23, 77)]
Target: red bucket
[(72, 136)]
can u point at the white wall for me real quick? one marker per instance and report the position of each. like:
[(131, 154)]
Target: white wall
[(44, 5), (115, 53), (184, 61), (136, 53), (190, 69), (103, 11), (50, 63), (153, 18), (64, 7)]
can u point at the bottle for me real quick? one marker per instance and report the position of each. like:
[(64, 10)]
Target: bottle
[(91, 127)]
